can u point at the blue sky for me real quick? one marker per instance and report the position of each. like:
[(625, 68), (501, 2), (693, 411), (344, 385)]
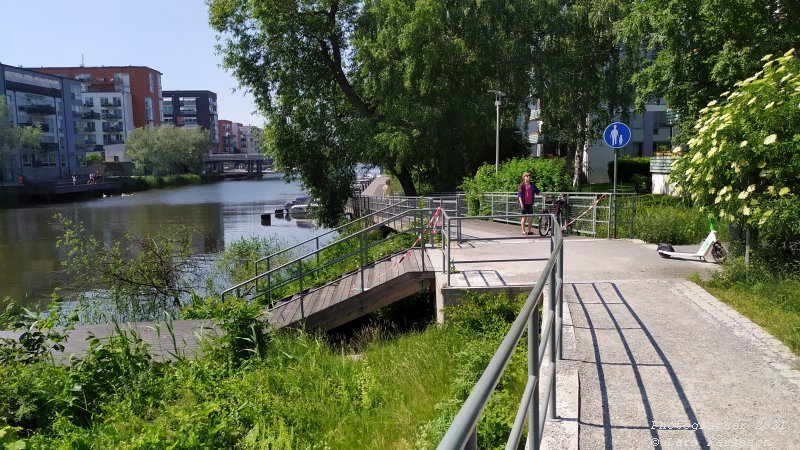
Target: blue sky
[(171, 36)]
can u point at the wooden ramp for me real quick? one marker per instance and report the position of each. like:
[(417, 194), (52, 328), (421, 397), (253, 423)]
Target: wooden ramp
[(344, 300)]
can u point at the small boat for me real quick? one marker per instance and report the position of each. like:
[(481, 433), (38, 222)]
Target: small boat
[(300, 207)]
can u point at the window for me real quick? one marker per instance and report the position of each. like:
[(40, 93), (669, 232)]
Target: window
[(152, 84), (148, 110)]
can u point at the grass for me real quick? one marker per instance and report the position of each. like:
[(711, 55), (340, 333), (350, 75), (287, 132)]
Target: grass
[(298, 391), (769, 297)]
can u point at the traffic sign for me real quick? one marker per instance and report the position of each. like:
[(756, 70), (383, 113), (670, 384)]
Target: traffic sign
[(617, 135)]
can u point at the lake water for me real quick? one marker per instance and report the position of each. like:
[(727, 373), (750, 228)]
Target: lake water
[(220, 213)]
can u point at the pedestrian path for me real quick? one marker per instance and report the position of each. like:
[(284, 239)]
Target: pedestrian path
[(663, 364)]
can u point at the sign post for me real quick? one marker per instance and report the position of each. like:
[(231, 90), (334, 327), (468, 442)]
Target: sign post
[(616, 135)]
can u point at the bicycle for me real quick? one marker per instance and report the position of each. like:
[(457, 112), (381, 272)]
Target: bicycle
[(559, 208)]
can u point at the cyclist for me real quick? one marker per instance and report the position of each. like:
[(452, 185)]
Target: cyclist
[(526, 192)]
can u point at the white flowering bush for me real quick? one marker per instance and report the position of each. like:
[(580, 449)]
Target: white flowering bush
[(743, 163)]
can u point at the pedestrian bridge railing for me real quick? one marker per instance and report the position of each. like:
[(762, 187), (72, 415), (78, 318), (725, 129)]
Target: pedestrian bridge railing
[(595, 214), (533, 408)]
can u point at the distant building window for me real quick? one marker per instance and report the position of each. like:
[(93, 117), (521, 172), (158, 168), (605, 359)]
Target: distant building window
[(152, 83)]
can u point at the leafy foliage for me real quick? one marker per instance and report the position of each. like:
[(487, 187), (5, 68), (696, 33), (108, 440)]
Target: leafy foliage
[(549, 175), (395, 83), (134, 279), (167, 149), (697, 49), (12, 137), (744, 162)]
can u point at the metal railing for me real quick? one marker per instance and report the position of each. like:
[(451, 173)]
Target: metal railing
[(590, 213), (346, 249), (463, 431)]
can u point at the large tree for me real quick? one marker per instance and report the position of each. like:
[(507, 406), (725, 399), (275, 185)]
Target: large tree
[(397, 83), (581, 72), (13, 137), (166, 148), (693, 50)]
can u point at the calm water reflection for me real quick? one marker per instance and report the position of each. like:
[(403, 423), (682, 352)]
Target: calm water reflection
[(220, 213)]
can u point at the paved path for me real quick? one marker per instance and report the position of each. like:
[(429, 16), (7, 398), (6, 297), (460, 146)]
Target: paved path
[(651, 346)]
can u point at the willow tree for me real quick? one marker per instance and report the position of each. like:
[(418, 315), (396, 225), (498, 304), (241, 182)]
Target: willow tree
[(397, 83)]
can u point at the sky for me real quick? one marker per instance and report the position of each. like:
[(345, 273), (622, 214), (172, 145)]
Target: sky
[(171, 36)]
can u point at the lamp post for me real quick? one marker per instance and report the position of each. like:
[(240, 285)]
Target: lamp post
[(497, 96)]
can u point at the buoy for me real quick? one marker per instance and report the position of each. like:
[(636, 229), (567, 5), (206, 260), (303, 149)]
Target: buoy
[(278, 213), (266, 219)]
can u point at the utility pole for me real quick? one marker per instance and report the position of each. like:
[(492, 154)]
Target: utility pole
[(497, 96)]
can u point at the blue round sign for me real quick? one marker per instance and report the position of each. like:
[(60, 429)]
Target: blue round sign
[(617, 135)]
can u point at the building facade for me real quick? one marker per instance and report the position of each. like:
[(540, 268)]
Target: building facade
[(55, 103), (250, 140), (230, 139), (192, 109), (142, 83)]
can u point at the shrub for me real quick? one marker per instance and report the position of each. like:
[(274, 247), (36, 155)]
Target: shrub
[(671, 224), (628, 167), (549, 175)]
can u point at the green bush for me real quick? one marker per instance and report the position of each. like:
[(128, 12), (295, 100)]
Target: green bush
[(628, 167), (672, 224), (549, 175)]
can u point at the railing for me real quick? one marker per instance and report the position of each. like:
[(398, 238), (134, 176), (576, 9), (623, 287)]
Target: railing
[(463, 431), (299, 269), (452, 203), (588, 213)]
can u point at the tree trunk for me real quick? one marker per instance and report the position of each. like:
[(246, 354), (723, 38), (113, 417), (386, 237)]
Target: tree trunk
[(407, 183), (580, 174)]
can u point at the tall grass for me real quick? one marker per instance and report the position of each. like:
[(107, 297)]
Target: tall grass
[(294, 391)]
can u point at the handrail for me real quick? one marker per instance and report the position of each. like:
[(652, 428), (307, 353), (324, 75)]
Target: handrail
[(317, 237), (363, 246), (463, 430), (507, 202)]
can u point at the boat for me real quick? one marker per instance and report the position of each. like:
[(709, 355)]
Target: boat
[(300, 207)]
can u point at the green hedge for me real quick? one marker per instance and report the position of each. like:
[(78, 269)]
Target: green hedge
[(549, 175), (628, 167)]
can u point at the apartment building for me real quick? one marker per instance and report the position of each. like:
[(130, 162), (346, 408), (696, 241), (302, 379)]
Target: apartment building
[(192, 109), (142, 83), (55, 103), (230, 140), (250, 140)]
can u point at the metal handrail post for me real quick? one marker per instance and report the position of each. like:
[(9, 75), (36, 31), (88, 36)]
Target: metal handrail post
[(447, 263), (633, 212), (560, 298), (362, 257), (300, 270), (533, 371), (317, 240), (269, 279), (551, 410)]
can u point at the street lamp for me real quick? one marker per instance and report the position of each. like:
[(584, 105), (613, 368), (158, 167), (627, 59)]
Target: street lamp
[(497, 96)]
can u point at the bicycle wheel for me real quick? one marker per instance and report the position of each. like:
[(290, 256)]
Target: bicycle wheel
[(718, 252), (544, 225)]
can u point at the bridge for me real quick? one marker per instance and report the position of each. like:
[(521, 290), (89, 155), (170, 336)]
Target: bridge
[(642, 357)]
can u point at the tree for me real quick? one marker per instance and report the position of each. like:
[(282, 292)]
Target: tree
[(693, 50), (743, 164), (136, 278), (581, 72), (13, 137), (166, 148), (396, 83)]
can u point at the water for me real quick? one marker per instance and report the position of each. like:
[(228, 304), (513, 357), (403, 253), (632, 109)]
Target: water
[(220, 213)]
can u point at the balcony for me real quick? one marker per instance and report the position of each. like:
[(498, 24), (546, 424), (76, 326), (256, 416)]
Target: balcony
[(115, 116), (112, 141), (111, 104), (48, 146), (662, 164), (45, 127), (88, 104), (114, 129), (91, 115), (41, 110)]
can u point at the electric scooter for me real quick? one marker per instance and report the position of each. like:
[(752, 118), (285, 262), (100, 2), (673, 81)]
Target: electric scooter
[(710, 245)]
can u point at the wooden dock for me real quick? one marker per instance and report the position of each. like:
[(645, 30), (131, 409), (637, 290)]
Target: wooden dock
[(344, 300)]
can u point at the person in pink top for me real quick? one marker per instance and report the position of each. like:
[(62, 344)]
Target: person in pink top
[(526, 193)]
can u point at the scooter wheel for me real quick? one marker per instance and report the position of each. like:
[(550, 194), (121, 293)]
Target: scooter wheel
[(718, 252), (664, 248)]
